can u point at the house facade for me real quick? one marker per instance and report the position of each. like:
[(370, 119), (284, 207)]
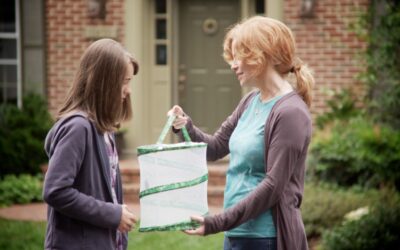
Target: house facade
[(178, 44)]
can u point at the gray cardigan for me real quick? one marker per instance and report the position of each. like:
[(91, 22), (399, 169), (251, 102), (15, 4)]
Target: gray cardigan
[(287, 136), (81, 214)]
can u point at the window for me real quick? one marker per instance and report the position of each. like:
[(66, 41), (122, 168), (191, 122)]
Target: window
[(260, 7), (9, 52), (161, 37)]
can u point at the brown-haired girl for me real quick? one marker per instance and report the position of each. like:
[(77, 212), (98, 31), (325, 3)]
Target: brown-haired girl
[(83, 185), (267, 137)]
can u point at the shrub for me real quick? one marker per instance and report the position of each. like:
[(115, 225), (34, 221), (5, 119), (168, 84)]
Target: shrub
[(22, 134), (342, 106), (22, 189), (379, 229), (356, 152), (324, 206)]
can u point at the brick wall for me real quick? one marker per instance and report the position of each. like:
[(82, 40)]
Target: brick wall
[(327, 44), (66, 21)]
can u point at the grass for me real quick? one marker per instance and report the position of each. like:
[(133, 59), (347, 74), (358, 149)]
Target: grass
[(16, 235), (174, 241)]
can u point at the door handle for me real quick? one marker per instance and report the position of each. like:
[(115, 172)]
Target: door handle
[(182, 78)]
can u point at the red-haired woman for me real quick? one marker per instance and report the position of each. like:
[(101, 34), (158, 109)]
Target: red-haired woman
[(267, 137), (83, 184)]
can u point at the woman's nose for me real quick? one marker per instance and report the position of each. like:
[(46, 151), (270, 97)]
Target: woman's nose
[(234, 66)]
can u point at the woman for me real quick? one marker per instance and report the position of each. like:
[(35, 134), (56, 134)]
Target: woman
[(83, 185), (267, 137)]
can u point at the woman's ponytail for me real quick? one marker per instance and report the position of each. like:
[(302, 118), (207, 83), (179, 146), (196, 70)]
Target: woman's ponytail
[(305, 81)]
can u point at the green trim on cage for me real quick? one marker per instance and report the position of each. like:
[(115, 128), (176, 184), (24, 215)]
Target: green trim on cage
[(173, 227), (147, 149), (173, 186), (185, 134), (167, 126)]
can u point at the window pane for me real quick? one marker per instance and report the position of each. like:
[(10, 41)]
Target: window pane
[(8, 49), (161, 29), (8, 84), (161, 54), (161, 6), (260, 7), (7, 16)]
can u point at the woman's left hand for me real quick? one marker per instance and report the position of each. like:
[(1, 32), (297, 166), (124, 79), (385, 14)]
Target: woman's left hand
[(198, 231)]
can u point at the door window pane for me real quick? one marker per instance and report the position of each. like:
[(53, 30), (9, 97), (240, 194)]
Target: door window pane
[(8, 48), (8, 84), (161, 6), (260, 7), (161, 54), (7, 16), (161, 29)]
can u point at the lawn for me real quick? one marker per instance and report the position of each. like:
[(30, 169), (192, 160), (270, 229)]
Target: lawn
[(16, 235)]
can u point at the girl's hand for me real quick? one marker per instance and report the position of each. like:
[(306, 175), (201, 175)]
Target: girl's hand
[(180, 120), (198, 231), (128, 220)]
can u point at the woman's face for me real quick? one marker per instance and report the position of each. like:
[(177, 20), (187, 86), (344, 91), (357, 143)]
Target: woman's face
[(126, 88), (243, 71)]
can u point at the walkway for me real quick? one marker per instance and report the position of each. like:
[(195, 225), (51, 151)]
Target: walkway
[(37, 211)]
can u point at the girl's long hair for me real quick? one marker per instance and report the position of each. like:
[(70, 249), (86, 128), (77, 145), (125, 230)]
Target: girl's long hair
[(96, 88)]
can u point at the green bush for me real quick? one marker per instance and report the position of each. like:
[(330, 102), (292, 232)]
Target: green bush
[(342, 106), (356, 152), (324, 206), (380, 229), (20, 190), (22, 134)]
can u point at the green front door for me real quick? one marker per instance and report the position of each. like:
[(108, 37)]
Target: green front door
[(207, 88)]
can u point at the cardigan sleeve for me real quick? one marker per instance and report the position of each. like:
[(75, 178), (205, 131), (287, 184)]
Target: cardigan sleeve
[(218, 143), (288, 141), (67, 152)]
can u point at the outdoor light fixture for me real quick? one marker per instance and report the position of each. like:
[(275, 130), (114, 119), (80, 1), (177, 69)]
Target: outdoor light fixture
[(96, 8), (307, 8)]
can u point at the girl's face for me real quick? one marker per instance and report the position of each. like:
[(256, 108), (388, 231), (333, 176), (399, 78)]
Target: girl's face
[(126, 88)]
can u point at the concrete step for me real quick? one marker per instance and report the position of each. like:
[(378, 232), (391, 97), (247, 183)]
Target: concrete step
[(131, 192), (215, 194)]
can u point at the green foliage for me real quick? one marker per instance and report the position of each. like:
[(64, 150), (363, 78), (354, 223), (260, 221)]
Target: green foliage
[(380, 229), (383, 59), (356, 152), (22, 189), (324, 206), (16, 235), (22, 134), (342, 106)]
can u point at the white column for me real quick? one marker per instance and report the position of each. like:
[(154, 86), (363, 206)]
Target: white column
[(136, 36)]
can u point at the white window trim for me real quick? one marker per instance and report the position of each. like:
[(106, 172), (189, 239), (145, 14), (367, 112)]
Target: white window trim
[(17, 61)]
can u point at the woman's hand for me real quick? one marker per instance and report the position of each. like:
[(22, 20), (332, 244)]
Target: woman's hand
[(198, 231), (181, 119)]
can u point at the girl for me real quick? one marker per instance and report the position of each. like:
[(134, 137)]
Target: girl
[(83, 185), (267, 137)]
